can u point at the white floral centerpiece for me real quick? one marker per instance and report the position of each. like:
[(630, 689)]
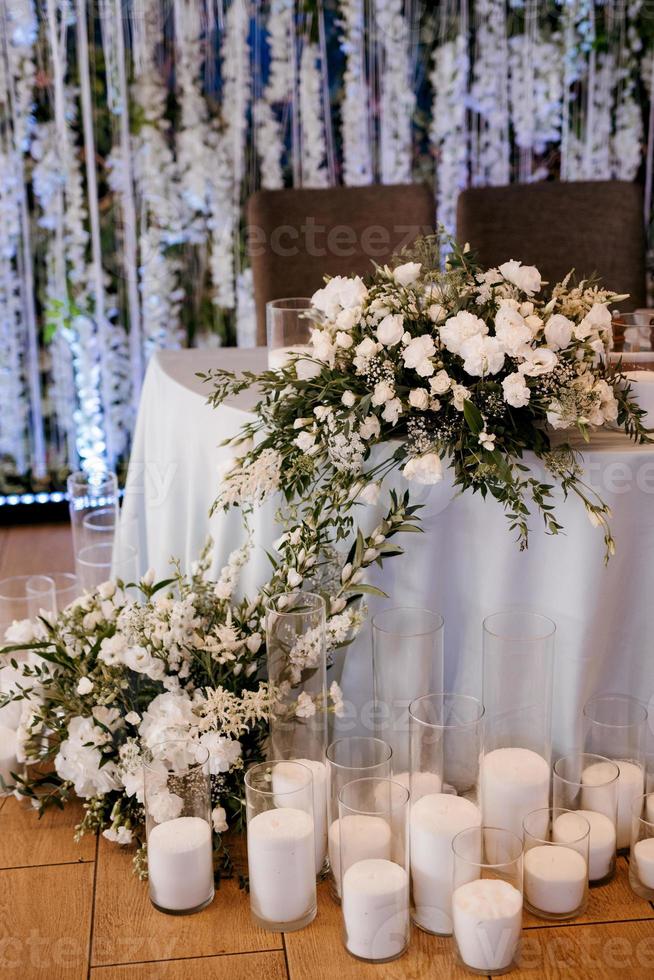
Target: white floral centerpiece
[(469, 366)]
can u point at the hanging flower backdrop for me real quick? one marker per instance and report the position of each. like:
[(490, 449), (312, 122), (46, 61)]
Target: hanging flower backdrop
[(134, 130)]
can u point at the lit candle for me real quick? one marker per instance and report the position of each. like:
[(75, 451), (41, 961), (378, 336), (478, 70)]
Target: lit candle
[(487, 920), (555, 879), (361, 837), (281, 357), (180, 864), (286, 778), (567, 829), (513, 783), (376, 909), (644, 855), (435, 820), (8, 760), (631, 782), (282, 864)]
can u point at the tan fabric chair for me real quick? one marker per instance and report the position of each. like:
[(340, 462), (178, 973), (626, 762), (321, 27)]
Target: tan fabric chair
[(593, 227), (296, 237)]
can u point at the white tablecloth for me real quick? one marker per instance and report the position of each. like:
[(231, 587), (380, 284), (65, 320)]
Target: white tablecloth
[(466, 565)]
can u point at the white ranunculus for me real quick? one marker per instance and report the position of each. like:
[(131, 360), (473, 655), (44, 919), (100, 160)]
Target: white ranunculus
[(440, 383), (390, 330), (525, 277), (383, 393), (426, 469), (457, 329), (558, 331), (407, 273), (516, 391), (482, 355), (542, 360), (511, 330), (141, 661), (419, 398), (370, 427), (417, 352)]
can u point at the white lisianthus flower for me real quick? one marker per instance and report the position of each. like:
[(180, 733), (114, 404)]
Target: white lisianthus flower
[(419, 398), (107, 590), (219, 819), (293, 578), (596, 321), (118, 835), (391, 329), (253, 642), (392, 410), (370, 427), (426, 469), (383, 392), (348, 398), (340, 293), (516, 391), (511, 330), (542, 360), (482, 355), (165, 806), (84, 686), (223, 752), (417, 350), (407, 273), (305, 706), (457, 329), (460, 394), (487, 440), (440, 383), (558, 331), (343, 340), (140, 660), (525, 277)]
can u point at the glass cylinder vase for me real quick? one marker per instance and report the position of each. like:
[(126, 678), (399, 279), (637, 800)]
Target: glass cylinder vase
[(588, 784), (518, 661), (616, 727), (374, 882), (288, 329), (641, 857), (281, 849), (556, 863), (178, 827), (89, 494), (350, 758), (407, 660), (446, 744)]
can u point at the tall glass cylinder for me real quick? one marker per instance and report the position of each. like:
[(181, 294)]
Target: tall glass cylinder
[(281, 849), (446, 744), (350, 758), (178, 827), (288, 329), (374, 886), (66, 589), (19, 604), (616, 727), (641, 858), (487, 899), (407, 658), (518, 660), (588, 784), (89, 493), (98, 563), (556, 863)]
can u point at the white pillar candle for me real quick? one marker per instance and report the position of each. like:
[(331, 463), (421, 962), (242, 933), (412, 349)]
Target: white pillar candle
[(555, 878), (594, 795), (420, 783), (280, 357), (282, 864), (376, 909), (631, 783), (180, 864), (286, 778), (365, 837), (513, 783), (434, 822), (8, 760), (487, 920), (644, 855), (601, 851)]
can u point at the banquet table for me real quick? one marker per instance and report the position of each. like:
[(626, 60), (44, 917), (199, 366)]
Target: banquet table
[(466, 565)]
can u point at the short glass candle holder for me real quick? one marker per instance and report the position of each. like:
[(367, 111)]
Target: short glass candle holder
[(281, 848), (641, 858), (350, 758), (487, 899), (178, 827), (616, 727), (556, 863), (66, 589), (374, 866), (446, 744), (288, 330), (588, 784)]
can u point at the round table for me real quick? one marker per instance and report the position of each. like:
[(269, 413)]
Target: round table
[(466, 564)]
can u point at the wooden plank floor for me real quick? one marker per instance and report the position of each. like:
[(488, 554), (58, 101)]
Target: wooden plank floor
[(76, 911)]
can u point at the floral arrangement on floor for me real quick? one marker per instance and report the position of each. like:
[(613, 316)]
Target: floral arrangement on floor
[(424, 364), (129, 666)]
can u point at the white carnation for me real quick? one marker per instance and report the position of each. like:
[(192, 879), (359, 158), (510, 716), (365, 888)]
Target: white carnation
[(455, 331), (482, 355), (511, 330), (525, 277), (515, 389)]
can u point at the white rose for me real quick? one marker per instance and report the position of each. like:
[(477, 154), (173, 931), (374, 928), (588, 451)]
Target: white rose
[(516, 391), (84, 686), (426, 469), (440, 384), (343, 340), (542, 360), (558, 331), (370, 427), (417, 351), (383, 393), (390, 330), (525, 277), (347, 318), (511, 330), (460, 328), (407, 273), (482, 355), (419, 398), (348, 398), (392, 410), (459, 395)]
